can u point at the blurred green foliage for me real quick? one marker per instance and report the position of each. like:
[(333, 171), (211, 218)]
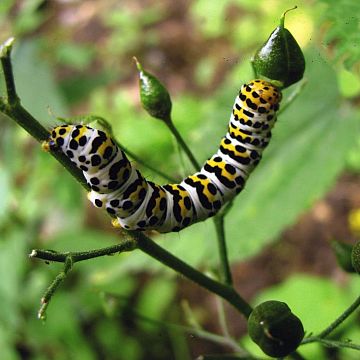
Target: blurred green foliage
[(343, 21), (76, 58)]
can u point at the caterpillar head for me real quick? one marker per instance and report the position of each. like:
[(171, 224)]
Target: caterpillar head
[(265, 95), (58, 136)]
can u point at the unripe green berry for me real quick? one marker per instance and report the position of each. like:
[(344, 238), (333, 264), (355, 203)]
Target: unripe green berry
[(276, 330), (154, 96), (280, 58)]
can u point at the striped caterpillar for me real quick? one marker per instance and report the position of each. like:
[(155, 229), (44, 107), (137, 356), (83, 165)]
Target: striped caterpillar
[(139, 204)]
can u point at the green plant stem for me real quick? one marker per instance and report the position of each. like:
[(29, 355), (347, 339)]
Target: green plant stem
[(183, 144), (335, 323), (332, 343), (224, 260), (282, 18), (45, 300), (50, 255), (183, 168)]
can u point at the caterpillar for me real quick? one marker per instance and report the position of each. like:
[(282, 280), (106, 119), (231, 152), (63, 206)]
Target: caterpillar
[(139, 204)]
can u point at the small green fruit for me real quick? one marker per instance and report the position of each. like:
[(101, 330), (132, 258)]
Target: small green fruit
[(276, 330), (280, 58), (154, 96)]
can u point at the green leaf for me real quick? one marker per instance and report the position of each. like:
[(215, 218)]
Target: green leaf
[(214, 24), (155, 306), (35, 83), (7, 340), (12, 268), (77, 56)]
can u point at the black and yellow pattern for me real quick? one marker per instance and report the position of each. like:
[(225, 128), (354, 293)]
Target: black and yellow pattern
[(139, 204)]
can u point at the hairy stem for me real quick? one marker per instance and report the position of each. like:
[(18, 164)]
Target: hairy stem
[(49, 255), (45, 300), (331, 343)]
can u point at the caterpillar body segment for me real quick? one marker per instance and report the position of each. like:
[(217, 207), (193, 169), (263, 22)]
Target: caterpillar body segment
[(138, 204)]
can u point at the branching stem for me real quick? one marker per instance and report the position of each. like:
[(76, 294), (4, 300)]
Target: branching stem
[(138, 240)]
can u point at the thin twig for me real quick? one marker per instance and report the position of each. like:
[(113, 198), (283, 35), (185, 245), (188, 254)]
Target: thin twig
[(183, 144), (50, 255), (331, 343), (50, 291), (145, 163)]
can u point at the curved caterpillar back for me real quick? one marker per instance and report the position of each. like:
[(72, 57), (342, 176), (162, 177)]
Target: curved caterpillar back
[(139, 204)]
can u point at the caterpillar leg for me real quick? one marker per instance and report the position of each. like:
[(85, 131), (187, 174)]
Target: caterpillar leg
[(116, 224), (45, 146)]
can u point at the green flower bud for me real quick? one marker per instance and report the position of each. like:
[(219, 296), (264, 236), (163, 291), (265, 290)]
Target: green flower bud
[(280, 58), (355, 257), (343, 255), (276, 330), (154, 96)]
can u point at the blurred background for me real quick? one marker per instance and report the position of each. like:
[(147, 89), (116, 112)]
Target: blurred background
[(74, 58)]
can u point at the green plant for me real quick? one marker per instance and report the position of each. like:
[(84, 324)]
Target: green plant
[(148, 247)]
